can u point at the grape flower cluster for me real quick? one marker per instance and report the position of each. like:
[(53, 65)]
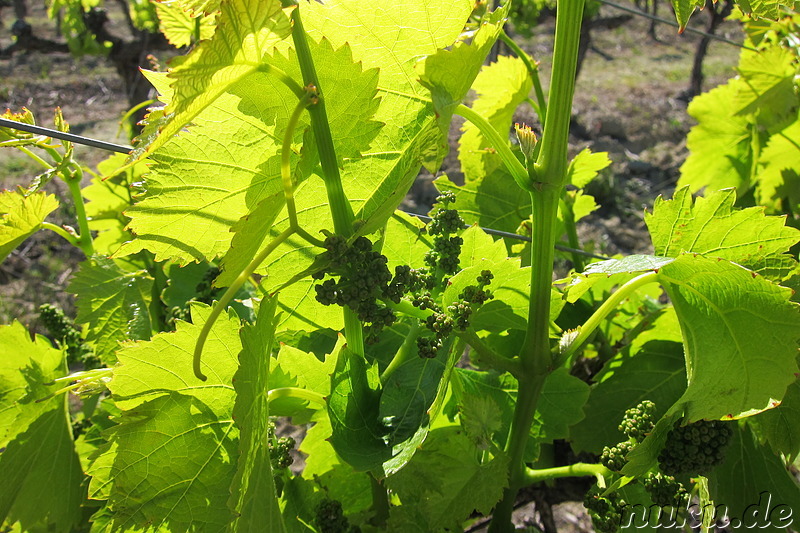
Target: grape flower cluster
[(280, 456)]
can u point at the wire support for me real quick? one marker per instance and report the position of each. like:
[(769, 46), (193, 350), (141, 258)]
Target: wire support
[(64, 136), (674, 24)]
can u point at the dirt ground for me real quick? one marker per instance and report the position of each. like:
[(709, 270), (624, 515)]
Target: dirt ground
[(627, 103)]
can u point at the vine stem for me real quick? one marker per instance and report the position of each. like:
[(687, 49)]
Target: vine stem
[(603, 311), (547, 177), (341, 211), (575, 470), (85, 236), (297, 392), (404, 353), (223, 302)]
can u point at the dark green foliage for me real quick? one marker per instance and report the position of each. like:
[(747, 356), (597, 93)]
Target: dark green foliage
[(695, 448), (605, 511), (205, 291), (613, 457), (639, 421), (68, 335), (664, 490), (175, 313)]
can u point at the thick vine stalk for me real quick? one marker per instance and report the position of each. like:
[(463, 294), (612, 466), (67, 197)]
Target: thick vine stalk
[(548, 176)]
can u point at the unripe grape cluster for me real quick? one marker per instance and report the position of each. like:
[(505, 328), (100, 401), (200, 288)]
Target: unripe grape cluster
[(329, 518), (280, 456), (695, 448), (639, 421), (446, 247), (68, 335), (613, 457), (664, 490), (605, 511)]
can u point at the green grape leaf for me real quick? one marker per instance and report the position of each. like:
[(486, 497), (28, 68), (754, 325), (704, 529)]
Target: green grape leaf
[(356, 435), (43, 478), (779, 425), (114, 303), (585, 166), (404, 242), (501, 389), (769, 9), (309, 372), (737, 325), (341, 482), (164, 364), (20, 388), (180, 26), (42, 472), (169, 415), (445, 483), (768, 84), (481, 418), (450, 73), (713, 227), (755, 487), (651, 370), (684, 9), (720, 148), (494, 201), (247, 32), (408, 394), (778, 177), (500, 88), (253, 497), (616, 270), (560, 405), (106, 199), (21, 217), (479, 246)]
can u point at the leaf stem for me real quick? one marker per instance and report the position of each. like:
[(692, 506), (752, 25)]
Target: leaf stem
[(489, 356), (404, 353), (284, 78), (223, 302), (297, 392), (605, 309), (501, 145), (286, 158), (533, 72), (35, 157), (70, 238)]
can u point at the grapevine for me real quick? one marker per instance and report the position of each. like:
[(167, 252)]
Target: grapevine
[(438, 371)]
